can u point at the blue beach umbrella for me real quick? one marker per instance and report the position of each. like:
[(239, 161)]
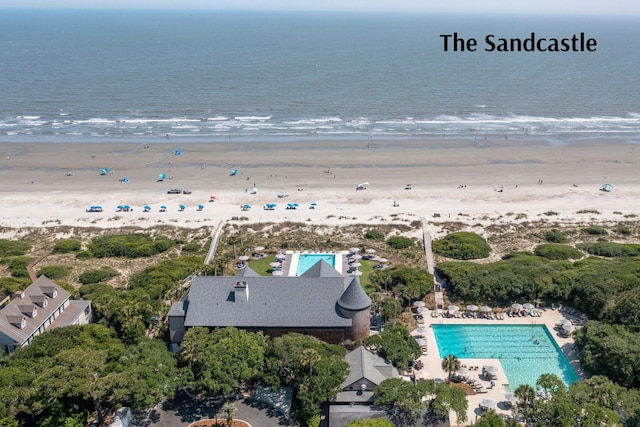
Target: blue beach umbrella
[(182, 207), (246, 206), (163, 208), (104, 171), (119, 207), (147, 208), (127, 207), (234, 172), (200, 207), (314, 204), (162, 176), (295, 205)]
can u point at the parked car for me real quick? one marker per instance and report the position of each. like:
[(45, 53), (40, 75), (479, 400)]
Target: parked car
[(174, 191)]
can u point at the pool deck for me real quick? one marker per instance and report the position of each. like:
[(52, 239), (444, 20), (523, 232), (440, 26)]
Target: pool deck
[(432, 360)]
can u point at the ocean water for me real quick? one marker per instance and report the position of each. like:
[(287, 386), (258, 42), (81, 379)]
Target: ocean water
[(227, 76)]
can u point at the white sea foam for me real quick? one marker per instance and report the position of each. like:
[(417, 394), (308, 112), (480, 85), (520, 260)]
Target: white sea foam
[(251, 118)]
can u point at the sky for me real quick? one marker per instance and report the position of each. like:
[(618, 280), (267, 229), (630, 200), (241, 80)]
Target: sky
[(596, 7)]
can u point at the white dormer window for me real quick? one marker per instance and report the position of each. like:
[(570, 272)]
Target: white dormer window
[(45, 302), (55, 292), (23, 323), (34, 313)]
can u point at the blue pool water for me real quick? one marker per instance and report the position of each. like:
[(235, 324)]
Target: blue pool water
[(305, 261), (525, 351)]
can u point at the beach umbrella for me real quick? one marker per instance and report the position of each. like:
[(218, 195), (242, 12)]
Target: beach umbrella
[(162, 176), (246, 207), (243, 258), (275, 264), (423, 310), (569, 327), (485, 309), (463, 371), (357, 273), (104, 171), (472, 307), (295, 205), (356, 257), (97, 207), (517, 306), (119, 207), (421, 341), (565, 322), (488, 403), (528, 306), (182, 207), (124, 180), (234, 172), (163, 207), (354, 250), (355, 264), (127, 207), (370, 251), (382, 260), (314, 204), (453, 308), (422, 331), (280, 256), (492, 369), (200, 207), (212, 198), (277, 273), (419, 303), (510, 397), (147, 208)]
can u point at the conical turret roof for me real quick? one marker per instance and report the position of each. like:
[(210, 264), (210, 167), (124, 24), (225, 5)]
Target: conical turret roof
[(354, 297)]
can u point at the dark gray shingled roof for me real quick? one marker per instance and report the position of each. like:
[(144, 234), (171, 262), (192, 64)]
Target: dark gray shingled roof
[(364, 364), (247, 272), (321, 269), (273, 302), (354, 298)]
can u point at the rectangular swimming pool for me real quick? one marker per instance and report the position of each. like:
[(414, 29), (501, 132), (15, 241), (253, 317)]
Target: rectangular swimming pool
[(306, 261), (525, 351)]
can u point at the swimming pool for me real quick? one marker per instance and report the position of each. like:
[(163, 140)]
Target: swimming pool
[(306, 261), (525, 351)]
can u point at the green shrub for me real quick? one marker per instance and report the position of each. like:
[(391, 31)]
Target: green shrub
[(595, 231), (374, 235), (84, 255), (623, 230), (555, 236), (96, 276), (18, 266), (555, 251), (65, 246), (13, 248), (191, 247), (462, 245), (400, 242), (54, 272), (10, 285), (163, 276), (134, 245), (611, 249)]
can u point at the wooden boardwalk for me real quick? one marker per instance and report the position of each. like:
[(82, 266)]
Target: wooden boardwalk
[(431, 264)]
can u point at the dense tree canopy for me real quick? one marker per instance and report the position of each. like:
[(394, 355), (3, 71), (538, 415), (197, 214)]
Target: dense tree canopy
[(396, 344), (405, 282)]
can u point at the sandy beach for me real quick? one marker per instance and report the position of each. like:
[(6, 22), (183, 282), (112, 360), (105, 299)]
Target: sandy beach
[(490, 180)]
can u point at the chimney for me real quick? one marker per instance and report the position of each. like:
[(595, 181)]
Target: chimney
[(241, 292), (19, 295)]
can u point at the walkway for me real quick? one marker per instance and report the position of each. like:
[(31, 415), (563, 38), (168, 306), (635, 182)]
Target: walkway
[(431, 264), (216, 234)]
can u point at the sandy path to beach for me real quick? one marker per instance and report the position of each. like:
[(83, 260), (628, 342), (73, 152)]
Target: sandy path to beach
[(449, 177)]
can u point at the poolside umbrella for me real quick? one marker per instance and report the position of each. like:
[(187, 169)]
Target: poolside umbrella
[(355, 264), (421, 342), (510, 397), (370, 251), (485, 309), (258, 248), (422, 310), (275, 264), (243, 258), (492, 369), (280, 256), (276, 273), (453, 308), (488, 404), (463, 371), (517, 306), (354, 250), (357, 273), (356, 257), (472, 307), (419, 304), (528, 306), (569, 327), (422, 331), (565, 322)]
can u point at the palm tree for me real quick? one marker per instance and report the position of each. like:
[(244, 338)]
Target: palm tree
[(309, 357), (450, 364), (230, 411), (526, 396)]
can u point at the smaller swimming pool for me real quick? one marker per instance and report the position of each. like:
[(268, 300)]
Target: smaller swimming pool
[(306, 261)]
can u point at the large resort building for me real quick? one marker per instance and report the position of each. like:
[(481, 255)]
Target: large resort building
[(321, 302), (42, 306)]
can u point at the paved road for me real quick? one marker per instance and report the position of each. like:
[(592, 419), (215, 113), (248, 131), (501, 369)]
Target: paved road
[(183, 410)]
